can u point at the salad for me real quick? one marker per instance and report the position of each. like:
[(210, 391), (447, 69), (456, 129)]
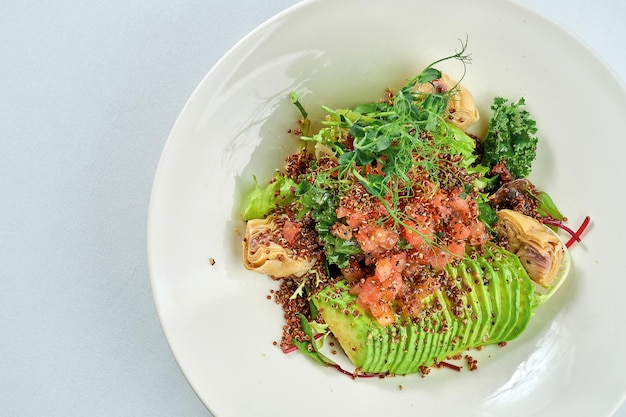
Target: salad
[(404, 236)]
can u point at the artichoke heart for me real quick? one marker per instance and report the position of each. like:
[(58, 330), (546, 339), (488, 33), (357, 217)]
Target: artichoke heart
[(539, 249), (262, 253), (462, 110)]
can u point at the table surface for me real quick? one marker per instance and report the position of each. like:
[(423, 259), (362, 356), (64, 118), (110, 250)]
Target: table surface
[(90, 91)]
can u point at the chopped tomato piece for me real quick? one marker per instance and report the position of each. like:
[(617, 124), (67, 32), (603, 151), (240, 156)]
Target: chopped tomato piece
[(478, 233), (459, 230), (291, 230), (376, 239), (414, 234), (377, 291), (457, 248)]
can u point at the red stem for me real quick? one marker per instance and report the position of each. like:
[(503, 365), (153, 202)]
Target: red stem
[(358, 375), (575, 234), (290, 349), (339, 368), (451, 366), (559, 225), (579, 232)]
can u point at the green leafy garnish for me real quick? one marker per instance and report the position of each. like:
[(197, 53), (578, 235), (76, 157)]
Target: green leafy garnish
[(546, 206), (321, 202), (511, 138), (306, 122), (280, 191), (309, 347), (392, 134), (487, 214)]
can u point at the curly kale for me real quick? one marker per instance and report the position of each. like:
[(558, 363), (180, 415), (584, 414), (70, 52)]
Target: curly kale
[(511, 138)]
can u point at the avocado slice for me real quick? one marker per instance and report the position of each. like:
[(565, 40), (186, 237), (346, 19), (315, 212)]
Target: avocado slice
[(415, 339), (495, 306), (423, 349), (397, 335), (504, 301), (524, 311), (449, 330)]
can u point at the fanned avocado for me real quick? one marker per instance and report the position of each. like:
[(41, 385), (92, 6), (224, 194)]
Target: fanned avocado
[(495, 306)]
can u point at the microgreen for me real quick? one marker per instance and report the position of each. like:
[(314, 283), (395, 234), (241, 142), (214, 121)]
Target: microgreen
[(393, 134), (382, 146), (306, 122)]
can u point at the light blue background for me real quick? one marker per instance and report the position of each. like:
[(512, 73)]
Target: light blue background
[(88, 93)]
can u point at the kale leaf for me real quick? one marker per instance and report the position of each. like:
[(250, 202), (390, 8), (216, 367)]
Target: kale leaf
[(320, 200), (511, 138)]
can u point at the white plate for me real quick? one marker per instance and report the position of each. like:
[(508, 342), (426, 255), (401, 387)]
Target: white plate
[(220, 325)]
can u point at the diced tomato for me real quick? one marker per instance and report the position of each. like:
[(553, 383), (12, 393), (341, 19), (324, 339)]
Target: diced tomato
[(439, 203), (376, 239), (384, 270), (343, 211), (439, 258), (370, 298), (369, 293), (433, 256), (377, 291), (415, 233), (383, 313), (459, 230), (291, 230), (478, 233), (399, 261), (460, 206), (389, 274), (341, 230), (353, 218), (457, 248), (424, 289)]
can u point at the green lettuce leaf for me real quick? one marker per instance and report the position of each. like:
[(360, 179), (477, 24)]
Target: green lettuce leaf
[(279, 192)]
